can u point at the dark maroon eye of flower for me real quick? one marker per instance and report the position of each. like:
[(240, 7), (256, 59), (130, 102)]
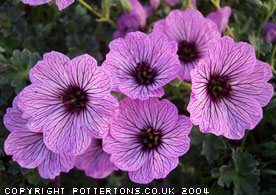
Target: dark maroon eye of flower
[(150, 138), (219, 88), (74, 99), (144, 74), (187, 52), (98, 142)]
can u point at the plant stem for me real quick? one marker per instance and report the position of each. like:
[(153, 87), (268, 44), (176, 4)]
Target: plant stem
[(269, 171), (230, 32), (187, 86), (98, 14), (189, 4), (265, 20), (270, 162), (181, 165), (272, 59), (244, 140), (263, 23)]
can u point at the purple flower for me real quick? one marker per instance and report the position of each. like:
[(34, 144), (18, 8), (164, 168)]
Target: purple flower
[(60, 3), (172, 2), (229, 89), (146, 138), (193, 33), (95, 161), (141, 64), (69, 100), (133, 21), (269, 32), (28, 148), (220, 17), (154, 4)]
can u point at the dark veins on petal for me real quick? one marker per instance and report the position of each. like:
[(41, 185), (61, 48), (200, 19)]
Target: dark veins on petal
[(219, 88), (150, 138), (74, 99), (187, 52), (144, 74)]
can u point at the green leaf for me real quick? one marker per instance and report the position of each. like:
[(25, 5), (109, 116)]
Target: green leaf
[(125, 5), (269, 149), (242, 172), (211, 144), (14, 168), (261, 46), (2, 167), (272, 191), (16, 72)]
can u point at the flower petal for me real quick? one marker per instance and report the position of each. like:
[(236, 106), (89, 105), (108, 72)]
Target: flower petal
[(63, 133), (176, 142), (63, 3), (51, 70), (39, 102), (54, 164), (13, 120), (95, 161), (158, 166), (255, 85), (127, 157), (26, 147)]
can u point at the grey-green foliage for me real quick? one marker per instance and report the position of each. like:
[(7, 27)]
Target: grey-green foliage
[(16, 73), (242, 172)]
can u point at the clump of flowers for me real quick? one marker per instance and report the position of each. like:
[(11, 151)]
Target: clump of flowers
[(193, 34), (67, 116), (140, 65), (147, 137), (229, 89)]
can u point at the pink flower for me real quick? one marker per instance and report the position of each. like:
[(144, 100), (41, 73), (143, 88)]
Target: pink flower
[(146, 138), (269, 32), (140, 65), (69, 100), (172, 2), (60, 3), (133, 21), (220, 17), (95, 161), (193, 33), (229, 89), (28, 148)]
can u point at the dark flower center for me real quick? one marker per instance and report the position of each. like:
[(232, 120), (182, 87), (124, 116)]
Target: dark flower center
[(74, 99), (144, 74), (150, 138), (187, 52), (98, 142), (219, 88)]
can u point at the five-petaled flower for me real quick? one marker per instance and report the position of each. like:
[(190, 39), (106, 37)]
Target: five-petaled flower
[(69, 100), (229, 89), (147, 137), (193, 34), (140, 65)]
